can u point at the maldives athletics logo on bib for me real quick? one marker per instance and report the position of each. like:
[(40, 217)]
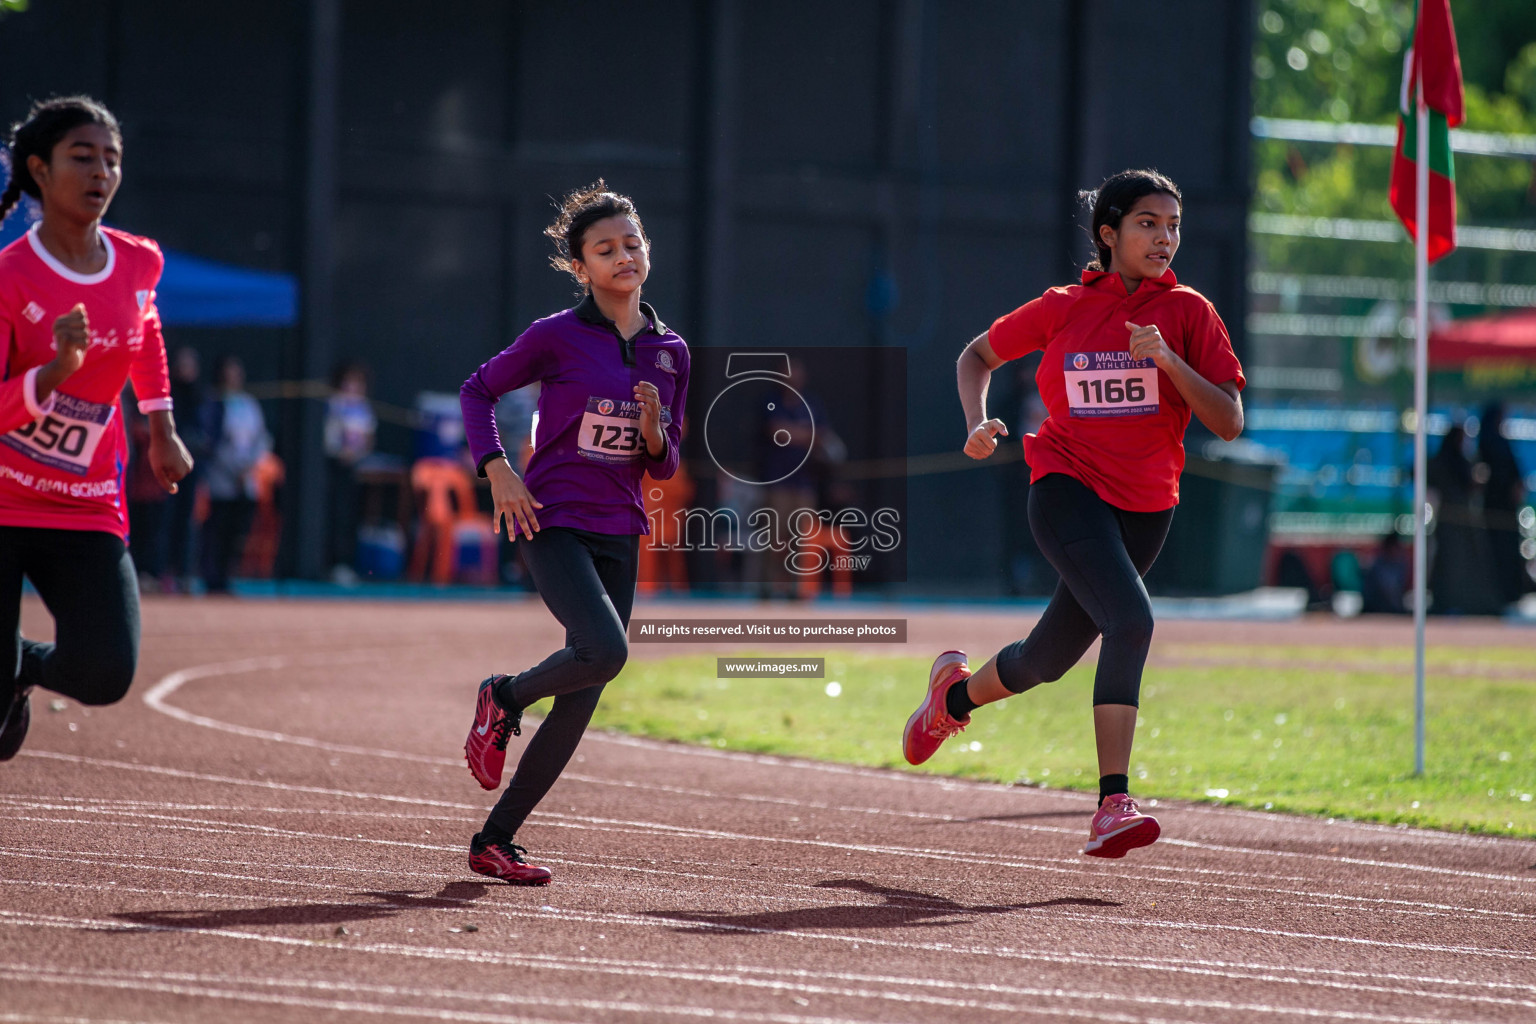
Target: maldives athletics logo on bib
[(605, 406)]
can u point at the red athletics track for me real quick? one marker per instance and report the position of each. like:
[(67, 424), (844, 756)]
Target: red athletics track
[(285, 769)]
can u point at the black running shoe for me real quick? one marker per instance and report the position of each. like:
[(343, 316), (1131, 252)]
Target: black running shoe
[(13, 727)]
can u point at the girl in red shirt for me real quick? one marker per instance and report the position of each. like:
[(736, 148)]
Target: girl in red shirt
[(1128, 356), (77, 320)]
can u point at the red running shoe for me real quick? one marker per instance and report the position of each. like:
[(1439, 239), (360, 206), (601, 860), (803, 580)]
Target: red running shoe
[(486, 747), (931, 724), (1119, 827), (505, 861)]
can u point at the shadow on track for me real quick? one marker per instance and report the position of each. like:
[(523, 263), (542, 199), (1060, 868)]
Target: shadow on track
[(454, 896), (902, 909)]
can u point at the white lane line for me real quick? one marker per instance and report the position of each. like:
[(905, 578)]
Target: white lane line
[(1246, 972), (815, 895), (589, 823), (1095, 919), (157, 698), (50, 1018), (1341, 901), (1362, 904), (1217, 968), (227, 780), (184, 990), (1155, 873), (426, 802), (735, 977)]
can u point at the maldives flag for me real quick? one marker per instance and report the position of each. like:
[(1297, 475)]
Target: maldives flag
[(1432, 59)]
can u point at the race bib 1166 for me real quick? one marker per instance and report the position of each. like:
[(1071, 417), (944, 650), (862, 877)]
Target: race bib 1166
[(610, 430), (66, 437), (1110, 384)]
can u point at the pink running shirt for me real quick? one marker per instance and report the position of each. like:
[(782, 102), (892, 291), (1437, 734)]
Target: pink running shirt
[(62, 462)]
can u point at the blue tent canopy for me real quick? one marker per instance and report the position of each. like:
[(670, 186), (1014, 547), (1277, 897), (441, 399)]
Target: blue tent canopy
[(195, 292)]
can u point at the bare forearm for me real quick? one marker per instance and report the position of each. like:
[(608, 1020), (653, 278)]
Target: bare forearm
[(972, 378), (162, 424), (49, 377), (1219, 408)]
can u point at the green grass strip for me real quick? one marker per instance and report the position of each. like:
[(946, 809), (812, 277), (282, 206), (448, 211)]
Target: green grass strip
[(1317, 731)]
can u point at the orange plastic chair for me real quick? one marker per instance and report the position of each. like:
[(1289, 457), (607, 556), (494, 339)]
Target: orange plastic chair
[(445, 496), (664, 565)]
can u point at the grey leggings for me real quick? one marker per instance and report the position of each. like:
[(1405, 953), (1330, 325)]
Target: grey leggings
[(588, 582), (1101, 553)]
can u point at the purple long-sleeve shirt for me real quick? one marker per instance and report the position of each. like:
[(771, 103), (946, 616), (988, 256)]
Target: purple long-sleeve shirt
[(588, 456)]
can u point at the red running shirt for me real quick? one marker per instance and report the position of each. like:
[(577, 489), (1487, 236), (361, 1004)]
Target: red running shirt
[(1115, 423), (62, 461)]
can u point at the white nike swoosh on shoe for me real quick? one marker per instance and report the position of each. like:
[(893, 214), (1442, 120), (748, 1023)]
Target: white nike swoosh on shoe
[(482, 730)]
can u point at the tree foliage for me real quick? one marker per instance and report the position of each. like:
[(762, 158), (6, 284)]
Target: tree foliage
[(1342, 60)]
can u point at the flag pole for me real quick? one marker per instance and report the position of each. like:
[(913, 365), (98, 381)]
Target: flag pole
[(1420, 412)]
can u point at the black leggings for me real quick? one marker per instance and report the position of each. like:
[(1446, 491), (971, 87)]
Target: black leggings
[(87, 581), (588, 581), (1101, 553)]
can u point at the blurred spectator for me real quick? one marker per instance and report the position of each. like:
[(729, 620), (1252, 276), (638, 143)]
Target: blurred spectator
[(1344, 574), (1292, 571), (237, 439), (146, 500), (1503, 497), (258, 558), (349, 431), (1458, 573), (178, 533), (1386, 582)]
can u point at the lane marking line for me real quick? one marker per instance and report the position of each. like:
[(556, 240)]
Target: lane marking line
[(734, 978)]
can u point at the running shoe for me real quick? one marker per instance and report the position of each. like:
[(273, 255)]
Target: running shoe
[(1119, 827), (931, 724), (505, 861), (486, 747), (14, 723)]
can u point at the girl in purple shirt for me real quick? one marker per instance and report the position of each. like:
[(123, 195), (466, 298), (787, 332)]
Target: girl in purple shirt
[(613, 386)]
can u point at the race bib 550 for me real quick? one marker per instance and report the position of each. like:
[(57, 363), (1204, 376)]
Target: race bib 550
[(66, 437)]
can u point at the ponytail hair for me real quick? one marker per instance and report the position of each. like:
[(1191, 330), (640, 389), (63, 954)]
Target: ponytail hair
[(578, 212), (1114, 198), (44, 127)]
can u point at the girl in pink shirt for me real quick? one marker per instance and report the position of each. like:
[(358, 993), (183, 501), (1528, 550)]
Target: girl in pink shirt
[(77, 320)]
